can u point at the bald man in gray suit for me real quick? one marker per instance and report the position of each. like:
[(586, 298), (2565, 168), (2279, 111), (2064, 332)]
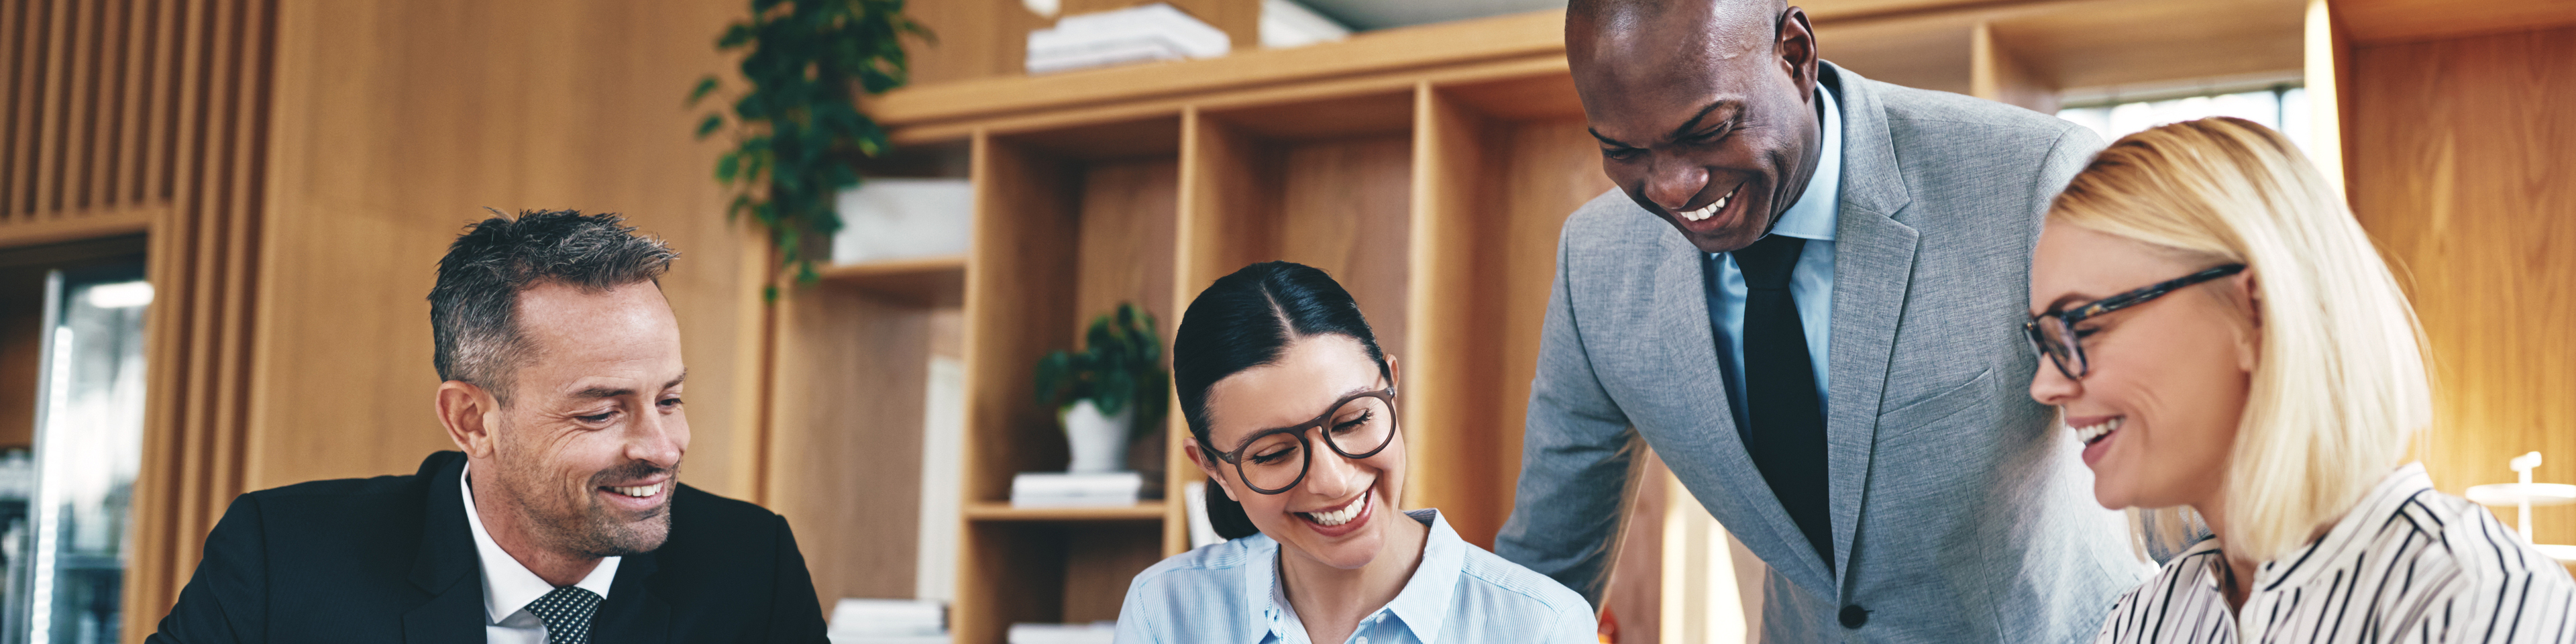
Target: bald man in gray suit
[(1806, 295)]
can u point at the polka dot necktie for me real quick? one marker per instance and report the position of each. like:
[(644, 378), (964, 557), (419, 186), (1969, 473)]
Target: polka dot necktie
[(566, 612)]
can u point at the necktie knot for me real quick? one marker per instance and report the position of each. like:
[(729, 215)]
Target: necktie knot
[(566, 613), (1767, 263)]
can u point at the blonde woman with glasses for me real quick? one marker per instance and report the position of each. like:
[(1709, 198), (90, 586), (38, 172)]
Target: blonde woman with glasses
[(2241, 367)]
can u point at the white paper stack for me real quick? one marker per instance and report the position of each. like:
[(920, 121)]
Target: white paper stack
[(1131, 35), (898, 218), (1092, 633), (1064, 490), (889, 621)]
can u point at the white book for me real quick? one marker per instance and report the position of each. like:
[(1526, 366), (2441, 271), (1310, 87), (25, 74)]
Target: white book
[(855, 617), (1060, 489), (1134, 34), (1092, 633)]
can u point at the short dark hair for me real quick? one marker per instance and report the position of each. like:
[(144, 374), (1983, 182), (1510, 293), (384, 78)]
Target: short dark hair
[(1245, 320), (474, 309)]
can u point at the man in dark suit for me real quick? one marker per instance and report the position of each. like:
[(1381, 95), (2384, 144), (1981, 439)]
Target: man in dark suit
[(561, 522)]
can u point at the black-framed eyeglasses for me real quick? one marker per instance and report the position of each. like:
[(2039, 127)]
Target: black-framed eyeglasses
[(1275, 460), (2053, 333)]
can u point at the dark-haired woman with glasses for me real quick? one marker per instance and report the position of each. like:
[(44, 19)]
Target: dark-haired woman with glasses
[(1293, 414), (2244, 374)]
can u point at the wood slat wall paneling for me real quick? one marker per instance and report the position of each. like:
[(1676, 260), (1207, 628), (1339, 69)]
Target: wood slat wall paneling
[(2459, 154), (202, 254), (87, 104)]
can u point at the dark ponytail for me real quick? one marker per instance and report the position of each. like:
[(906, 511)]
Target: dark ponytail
[(1245, 320)]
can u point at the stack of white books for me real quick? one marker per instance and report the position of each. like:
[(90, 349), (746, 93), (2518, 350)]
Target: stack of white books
[(889, 621), (1131, 35), (1092, 633), (1069, 490)]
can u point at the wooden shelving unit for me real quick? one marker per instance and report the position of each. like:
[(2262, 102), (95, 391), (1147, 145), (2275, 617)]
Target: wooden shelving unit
[(1428, 169)]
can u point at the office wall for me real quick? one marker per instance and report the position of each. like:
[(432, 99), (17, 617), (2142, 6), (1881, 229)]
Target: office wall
[(396, 124), (2458, 154)]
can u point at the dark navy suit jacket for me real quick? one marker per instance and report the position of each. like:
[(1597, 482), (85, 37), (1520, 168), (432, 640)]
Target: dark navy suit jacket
[(389, 559)]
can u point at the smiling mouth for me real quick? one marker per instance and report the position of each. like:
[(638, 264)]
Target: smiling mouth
[(638, 491), (1337, 517), (1711, 209), (2094, 433)]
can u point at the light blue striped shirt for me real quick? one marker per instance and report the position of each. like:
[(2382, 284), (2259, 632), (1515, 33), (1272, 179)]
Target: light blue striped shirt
[(1461, 594)]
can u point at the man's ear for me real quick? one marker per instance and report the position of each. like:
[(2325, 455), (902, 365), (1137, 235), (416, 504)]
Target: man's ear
[(467, 411), (1796, 46)]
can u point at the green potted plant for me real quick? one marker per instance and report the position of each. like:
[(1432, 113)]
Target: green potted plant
[(798, 133), (1101, 393)]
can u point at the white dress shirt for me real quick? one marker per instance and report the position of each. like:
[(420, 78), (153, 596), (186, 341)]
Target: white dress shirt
[(2407, 564), (508, 586)]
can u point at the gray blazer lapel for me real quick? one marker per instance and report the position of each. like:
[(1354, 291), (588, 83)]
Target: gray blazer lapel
[(1704, 448), (1873, 267)]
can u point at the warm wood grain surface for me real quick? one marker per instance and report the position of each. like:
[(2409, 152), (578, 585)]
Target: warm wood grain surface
[(2460, 154)]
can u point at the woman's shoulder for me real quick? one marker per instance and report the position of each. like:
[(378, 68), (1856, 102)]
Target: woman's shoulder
[(2468, 538), (1216, 567), (1509, 580)]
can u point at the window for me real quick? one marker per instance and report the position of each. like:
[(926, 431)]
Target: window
[(2281, 107)]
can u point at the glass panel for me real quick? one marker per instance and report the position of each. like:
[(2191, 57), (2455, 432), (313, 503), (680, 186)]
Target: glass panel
[(67, 506), (2283, 108)]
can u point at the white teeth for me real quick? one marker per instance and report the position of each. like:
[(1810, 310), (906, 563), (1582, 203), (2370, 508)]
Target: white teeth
[(1341, 516), (1711, 209), (2087, 434), (639, 491)]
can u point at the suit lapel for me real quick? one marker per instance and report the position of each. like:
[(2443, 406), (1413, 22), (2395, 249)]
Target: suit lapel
[(1704, 447), (632, 613), (447, 567), (1873, 269)]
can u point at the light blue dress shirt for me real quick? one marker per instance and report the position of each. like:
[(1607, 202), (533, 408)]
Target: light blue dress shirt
[(1811, 282), (1229, 593)]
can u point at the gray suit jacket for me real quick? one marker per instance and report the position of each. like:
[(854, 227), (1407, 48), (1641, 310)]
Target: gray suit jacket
[(1959, 514)]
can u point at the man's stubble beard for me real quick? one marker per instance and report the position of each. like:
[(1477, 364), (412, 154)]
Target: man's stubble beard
[(584, 525)]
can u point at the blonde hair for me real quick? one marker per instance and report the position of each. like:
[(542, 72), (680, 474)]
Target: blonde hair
[(2341, 382)]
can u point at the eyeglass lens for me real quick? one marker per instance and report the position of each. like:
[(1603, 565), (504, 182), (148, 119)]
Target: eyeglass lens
[(2058, 341), (1357, 429)]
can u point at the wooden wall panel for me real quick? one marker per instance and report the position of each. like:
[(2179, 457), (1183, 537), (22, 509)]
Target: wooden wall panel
[(846, 463), (1342, 208), (398, 123), (2459, 154)]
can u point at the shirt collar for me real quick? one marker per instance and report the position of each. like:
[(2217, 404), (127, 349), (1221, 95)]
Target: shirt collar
[(508, 586), (1425, 598), (1421, 605), (1816, 213)]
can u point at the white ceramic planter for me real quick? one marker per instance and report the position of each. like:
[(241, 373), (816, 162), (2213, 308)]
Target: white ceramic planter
[(1099, 441)]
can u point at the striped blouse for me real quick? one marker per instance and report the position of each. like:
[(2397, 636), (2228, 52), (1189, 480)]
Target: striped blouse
[(2408, 564)]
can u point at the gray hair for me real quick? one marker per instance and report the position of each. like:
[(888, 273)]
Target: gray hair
[(473, 311)]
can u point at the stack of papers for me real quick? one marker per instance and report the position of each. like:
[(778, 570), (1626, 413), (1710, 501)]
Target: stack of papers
[(1131, 35), (1092, 633), (1063, 490), (889, 621)]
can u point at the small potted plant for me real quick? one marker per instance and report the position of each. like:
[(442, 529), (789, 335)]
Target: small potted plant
[(1104, 391)]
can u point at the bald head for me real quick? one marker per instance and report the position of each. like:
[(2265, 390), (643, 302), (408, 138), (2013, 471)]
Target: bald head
[(1704, 109), (1725, 24)]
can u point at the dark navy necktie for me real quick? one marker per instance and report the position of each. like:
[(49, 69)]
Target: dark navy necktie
[(566, 612), (1786, 437)]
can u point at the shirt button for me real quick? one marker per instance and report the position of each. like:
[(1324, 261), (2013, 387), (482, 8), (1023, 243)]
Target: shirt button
[(1854, 616)]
